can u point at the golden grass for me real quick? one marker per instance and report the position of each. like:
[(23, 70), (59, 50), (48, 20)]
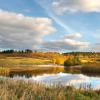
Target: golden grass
[(11, 61), (4, 71)]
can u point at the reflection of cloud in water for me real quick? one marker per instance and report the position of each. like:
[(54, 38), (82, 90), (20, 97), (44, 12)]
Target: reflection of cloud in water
[(64, 79), (68, 79), (97, 87)]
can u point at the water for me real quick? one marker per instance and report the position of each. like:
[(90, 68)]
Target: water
[(64, 79), (55, 76)]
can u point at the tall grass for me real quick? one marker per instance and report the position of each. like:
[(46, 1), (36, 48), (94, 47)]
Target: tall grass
[(88, 68), (21, 90), (91, 68)]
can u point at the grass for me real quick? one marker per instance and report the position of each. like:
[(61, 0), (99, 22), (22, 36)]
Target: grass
[(11, 61), (20, 90), (88, 68), (4, 71), (91, 68), (25, 65)]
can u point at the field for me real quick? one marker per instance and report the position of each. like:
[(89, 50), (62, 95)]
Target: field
[(13, 61)]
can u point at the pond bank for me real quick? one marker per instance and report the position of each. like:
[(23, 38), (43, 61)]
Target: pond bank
[(30, 70), (89, 69)]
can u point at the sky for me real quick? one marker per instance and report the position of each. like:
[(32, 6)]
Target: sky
[(50, 25)]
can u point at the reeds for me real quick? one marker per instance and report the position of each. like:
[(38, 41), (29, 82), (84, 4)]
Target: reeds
[(21, 90), (91, 68)]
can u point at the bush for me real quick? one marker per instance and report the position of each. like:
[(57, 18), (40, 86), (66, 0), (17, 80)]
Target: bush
[(72, 61)]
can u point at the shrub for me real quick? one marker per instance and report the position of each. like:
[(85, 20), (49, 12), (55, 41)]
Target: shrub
[(72, 61)]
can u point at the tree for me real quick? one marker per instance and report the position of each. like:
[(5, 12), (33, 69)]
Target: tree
[(28, 51), (59, 60), (8, 51)]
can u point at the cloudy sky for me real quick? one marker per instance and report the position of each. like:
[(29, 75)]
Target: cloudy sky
[(50, 25)]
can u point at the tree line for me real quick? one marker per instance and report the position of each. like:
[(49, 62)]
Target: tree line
[(10, 51)]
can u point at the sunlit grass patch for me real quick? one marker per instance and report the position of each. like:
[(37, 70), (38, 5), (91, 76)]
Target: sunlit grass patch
[(23, 61), (4, 71)]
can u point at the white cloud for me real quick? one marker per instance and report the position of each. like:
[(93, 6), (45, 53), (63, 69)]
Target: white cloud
[(19, 31), (54, 17), (66, 44), (63, 6), (73, 36)]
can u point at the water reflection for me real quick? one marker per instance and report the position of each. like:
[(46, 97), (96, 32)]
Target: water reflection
[(36, 71), (65, 79), (54, 75)]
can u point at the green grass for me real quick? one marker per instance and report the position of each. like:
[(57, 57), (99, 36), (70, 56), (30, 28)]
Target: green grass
[(20, 90)]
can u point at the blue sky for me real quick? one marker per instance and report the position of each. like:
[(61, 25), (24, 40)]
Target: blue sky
[(71, 25)]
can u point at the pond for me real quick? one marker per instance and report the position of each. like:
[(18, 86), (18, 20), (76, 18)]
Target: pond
[(60, 78), (54, 75)]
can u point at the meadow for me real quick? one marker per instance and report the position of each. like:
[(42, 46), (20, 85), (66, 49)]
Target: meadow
[(15, 61), (28, 65)]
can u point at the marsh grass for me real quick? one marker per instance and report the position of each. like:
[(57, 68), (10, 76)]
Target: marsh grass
[(91, 68), (88, 68), (21, 90)]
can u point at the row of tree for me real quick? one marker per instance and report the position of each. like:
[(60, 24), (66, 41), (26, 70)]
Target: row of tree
[(16, 51), (83, 54)]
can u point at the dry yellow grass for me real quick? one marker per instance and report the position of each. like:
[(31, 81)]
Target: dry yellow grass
[(20, 90)]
